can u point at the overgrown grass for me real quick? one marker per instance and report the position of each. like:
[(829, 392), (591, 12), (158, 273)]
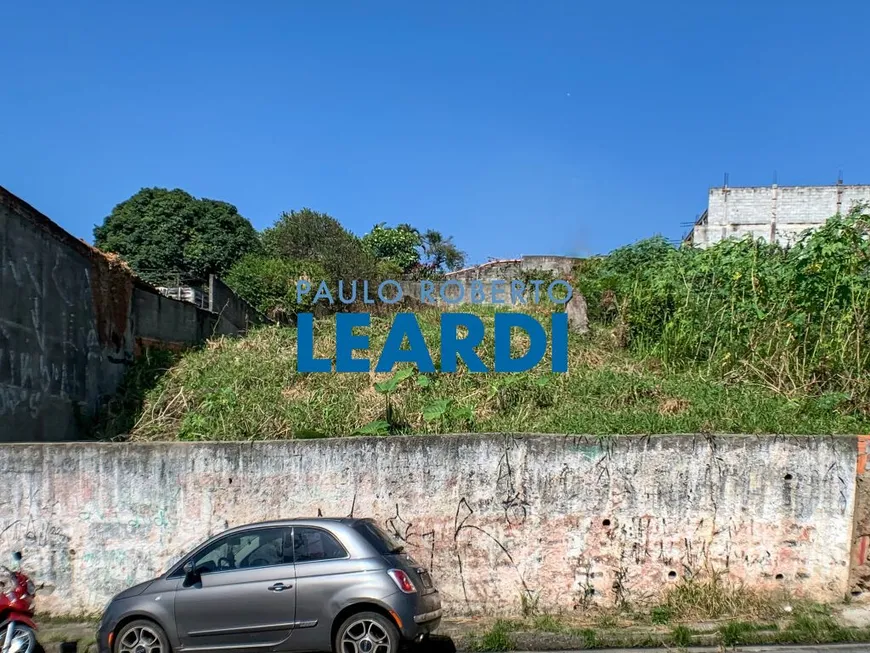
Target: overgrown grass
[(810, 623), (715, 597), (248, 389), (794, 320), (120, 414)]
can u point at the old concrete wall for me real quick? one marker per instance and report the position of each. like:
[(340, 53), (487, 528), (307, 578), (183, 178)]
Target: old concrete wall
[(72, 319), (562, 520), (504, 270), (161, 319), (224, 302), (778, 213), (63, 344), (560, 266)]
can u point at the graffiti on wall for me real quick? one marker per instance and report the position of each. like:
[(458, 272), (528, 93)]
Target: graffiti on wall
[(501, 521), (47, 334)]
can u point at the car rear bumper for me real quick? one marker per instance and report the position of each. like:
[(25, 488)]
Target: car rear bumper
[(426, 617), (417, 615)]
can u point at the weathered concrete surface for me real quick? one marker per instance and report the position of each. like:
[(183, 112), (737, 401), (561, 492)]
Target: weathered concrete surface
[(72, 319), (773, 213), (231, 308), (498, 272), (63, 345), (578, 319), (563, 520)]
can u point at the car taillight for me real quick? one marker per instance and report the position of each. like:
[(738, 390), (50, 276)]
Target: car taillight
[(401, 579)]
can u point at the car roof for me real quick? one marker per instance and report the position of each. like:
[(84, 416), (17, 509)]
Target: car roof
[(298, 521), (345, 523)]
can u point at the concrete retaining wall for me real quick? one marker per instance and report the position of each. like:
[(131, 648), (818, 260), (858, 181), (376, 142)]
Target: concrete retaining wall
[(564, 521), (62, 343), (72, 319)]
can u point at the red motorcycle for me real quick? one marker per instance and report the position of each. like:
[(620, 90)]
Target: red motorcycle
[(17, 629)]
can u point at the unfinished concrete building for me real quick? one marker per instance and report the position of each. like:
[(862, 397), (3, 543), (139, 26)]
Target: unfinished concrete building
[(774, 213)]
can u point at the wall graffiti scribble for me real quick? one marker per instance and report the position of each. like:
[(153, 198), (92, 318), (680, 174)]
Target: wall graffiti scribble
[(501, 521)]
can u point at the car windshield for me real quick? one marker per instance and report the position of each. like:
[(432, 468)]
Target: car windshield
[(184, 551), (383, 542)]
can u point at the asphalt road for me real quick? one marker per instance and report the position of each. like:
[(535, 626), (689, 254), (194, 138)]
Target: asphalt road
[(817, 648)]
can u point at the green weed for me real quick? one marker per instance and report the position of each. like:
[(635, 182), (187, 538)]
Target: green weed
[(793, 320), (681, 636), (497, 638)]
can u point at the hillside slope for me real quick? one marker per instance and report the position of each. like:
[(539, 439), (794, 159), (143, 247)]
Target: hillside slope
[(248, 389)]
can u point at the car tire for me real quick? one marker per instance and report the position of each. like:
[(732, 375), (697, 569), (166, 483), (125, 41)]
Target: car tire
[(141, 632), (367, 632), (20, 629)]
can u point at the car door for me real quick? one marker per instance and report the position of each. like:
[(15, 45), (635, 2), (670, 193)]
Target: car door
[(324, 573), (244, 596)]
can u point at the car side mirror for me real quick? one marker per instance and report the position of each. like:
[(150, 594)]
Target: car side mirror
[(190, 575)]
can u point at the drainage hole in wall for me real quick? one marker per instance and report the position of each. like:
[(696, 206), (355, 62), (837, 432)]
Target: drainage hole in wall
[(779, 577), (672, 575), (787, 477), (606, 522)]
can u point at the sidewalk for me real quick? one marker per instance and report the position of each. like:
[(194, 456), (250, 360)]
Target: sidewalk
[(463, 635)]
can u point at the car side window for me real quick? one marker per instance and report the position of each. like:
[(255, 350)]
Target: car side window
[(262, 547), (310, 544)]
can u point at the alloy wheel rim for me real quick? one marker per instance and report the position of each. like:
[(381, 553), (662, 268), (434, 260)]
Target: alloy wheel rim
[(22, 641), (365, 636), (140, 639)]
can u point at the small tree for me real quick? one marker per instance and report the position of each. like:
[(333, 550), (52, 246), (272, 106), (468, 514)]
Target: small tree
[(313, 236), (440, 251), (269, 284), (397, 245)]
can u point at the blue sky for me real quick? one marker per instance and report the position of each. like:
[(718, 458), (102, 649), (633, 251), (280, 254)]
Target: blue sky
[(517, 127)]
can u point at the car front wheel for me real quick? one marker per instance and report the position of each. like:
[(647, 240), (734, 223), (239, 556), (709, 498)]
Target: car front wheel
[(367, 632), (142, 636)]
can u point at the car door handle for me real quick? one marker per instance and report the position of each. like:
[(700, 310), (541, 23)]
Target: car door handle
[(278, 587)]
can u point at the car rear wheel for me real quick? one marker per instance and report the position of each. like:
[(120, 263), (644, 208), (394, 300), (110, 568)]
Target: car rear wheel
[(142, 636), (367, 632)]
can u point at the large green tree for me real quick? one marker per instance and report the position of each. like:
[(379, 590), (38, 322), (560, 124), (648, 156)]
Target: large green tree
[(313, 236), (169, 235)]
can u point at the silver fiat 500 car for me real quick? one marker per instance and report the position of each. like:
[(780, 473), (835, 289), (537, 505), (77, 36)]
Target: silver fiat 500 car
[(341, 585)]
